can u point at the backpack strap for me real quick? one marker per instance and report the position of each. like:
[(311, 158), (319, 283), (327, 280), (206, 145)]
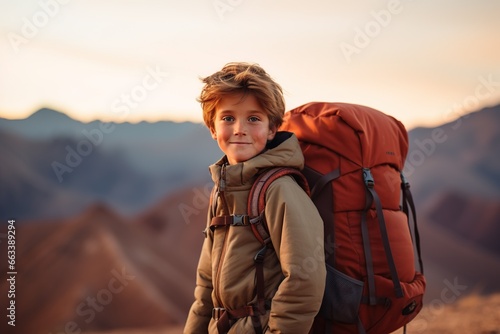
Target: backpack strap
[(408, 201), (256, 207), (322, 197), (370, 187), (257, 198)]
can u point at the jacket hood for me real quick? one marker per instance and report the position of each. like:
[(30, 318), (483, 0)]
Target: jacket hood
[(283, 150)]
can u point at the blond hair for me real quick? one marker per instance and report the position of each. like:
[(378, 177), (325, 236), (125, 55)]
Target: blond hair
[(245, 78)]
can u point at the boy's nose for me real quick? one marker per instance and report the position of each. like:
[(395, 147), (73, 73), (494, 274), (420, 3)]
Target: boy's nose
[(239, 128)]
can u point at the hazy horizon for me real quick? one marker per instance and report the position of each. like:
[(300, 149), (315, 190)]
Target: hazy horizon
[(199, 121)]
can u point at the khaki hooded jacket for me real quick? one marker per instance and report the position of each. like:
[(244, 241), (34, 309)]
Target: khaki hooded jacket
[(294, 272)]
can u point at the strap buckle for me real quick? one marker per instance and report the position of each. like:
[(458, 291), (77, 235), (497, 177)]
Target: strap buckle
[(240, 220), (259, 257), (217, 312), (405, 183), (368, 177)]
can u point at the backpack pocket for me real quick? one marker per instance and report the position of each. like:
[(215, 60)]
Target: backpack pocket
[(396, 312), (342, 297)]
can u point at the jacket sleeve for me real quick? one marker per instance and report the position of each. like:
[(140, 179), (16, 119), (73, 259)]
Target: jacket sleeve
[(200, 313), (296, 231)]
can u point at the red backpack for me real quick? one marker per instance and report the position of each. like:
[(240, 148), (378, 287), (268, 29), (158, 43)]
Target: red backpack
[(354, 157)]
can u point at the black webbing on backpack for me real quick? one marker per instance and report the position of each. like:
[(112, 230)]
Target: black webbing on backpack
[(367, 250), (408, 200), (322, 198), (370, 186)]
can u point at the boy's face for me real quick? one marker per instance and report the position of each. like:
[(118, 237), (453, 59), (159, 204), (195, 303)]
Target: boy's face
[(241, 127)]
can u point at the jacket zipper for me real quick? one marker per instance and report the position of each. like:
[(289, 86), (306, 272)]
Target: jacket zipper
[(221, 192)]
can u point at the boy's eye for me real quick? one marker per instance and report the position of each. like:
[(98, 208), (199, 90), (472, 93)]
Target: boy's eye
[(254, 119), (227, 118)]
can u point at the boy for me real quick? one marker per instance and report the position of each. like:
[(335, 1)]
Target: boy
[(243, 108)]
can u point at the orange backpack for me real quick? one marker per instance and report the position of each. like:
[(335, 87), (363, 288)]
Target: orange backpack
[(354, 157)]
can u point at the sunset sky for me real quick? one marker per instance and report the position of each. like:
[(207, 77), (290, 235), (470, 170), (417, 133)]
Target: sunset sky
[(424, 62)]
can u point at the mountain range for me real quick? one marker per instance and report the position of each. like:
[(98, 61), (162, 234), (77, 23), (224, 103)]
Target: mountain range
[(454, 171), (92, 259), (55, 166)]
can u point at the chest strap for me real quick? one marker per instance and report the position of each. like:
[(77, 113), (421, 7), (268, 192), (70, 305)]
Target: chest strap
[(231, 220), (257, 224)]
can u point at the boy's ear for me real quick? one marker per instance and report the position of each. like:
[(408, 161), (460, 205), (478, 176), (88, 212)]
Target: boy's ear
[(213, 133), (272, 133)]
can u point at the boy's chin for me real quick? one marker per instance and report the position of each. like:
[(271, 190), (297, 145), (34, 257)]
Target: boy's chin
[(237, 160)]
